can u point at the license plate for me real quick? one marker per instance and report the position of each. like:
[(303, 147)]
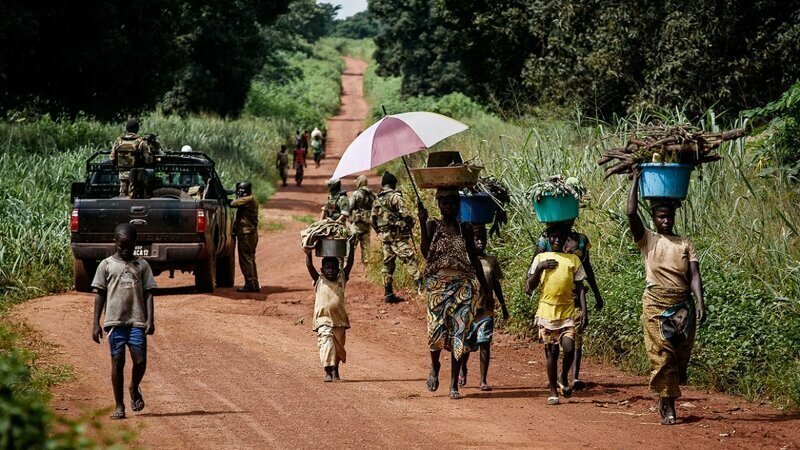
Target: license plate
[(141, 251)]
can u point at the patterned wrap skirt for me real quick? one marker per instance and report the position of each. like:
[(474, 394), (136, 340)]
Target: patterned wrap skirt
[(669, 322), (452, 301)]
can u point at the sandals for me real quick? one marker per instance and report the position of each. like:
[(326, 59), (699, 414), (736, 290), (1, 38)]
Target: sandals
[(118, 414), (553, 400), (566, 391), (486, 387), (462, 380), (433, 383), (137, 400), (455, 395)]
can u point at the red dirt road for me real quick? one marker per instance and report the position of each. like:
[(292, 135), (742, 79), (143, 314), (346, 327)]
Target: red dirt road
[(242, 371)]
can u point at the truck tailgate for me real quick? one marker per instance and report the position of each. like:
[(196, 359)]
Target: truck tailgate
[(156, 219)]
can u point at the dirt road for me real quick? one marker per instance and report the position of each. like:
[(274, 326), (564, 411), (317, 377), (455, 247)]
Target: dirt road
[(242, 371)]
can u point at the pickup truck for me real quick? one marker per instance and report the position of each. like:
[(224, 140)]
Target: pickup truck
[(183, 221)]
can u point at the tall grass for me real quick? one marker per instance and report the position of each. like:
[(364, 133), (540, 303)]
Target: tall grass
[(312, 93), (745, 227)]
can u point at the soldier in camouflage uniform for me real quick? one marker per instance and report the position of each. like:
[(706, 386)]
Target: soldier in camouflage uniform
[(245, 228), (360, 213), (336, 207), (130, 151), (394, 225)]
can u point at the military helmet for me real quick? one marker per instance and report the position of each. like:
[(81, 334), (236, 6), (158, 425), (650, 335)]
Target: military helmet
[(245, 187), (334, 185)]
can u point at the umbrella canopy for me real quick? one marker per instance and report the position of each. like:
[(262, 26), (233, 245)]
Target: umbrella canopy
[(395, 136)]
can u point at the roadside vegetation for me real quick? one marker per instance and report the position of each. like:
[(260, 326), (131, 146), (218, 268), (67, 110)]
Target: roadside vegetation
[(743, 219)]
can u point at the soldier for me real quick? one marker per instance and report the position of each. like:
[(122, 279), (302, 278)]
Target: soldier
[(394, 225), (245, 227), (130, 151), (337, 207), (360, 211)]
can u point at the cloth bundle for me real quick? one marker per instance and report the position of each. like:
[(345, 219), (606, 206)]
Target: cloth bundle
[(323, 229)]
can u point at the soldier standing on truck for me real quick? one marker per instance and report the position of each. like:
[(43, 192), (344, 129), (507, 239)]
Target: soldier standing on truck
[(360, 212), (336, 207), (394, 225), (245, 228), (130, 151)]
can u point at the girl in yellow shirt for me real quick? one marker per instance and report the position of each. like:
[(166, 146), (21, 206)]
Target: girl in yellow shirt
[(558, 274)]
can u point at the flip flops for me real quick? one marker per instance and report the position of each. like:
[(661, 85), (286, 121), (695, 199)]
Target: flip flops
[(566, 391), (486, 387), (552, 400), (433, 383), (118, 414), (137, 400), (455, 395)]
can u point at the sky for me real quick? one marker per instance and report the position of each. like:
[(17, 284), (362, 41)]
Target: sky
[(349, 7)]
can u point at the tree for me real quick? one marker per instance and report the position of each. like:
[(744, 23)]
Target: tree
[(360, 25)]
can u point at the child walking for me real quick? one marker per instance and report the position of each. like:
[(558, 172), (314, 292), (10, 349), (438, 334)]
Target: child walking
[(330, 316), (558, 273), (480, 338), (124, 285)]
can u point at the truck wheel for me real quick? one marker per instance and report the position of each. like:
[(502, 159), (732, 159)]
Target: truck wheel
[(83, 274), (205, 273)]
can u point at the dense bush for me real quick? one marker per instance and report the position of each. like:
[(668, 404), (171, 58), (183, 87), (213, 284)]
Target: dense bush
[(609, 56), (780, 140)]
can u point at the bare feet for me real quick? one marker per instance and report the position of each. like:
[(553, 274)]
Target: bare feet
[(485, 387), (328, 374), (137, 400), (455, 395), (462, 378), (336, 373), (119, 413)]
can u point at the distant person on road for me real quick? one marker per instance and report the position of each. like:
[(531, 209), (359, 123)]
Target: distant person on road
[(299, 163), (316, 146), (330, 316), (559, 274), (337, 207), (480, 336), (669, 314), (304, 140), (324, 143), (124, 285), (282, 164), (130, 151), (245, 228), (577, 244), (394, 225), (453, 282), (361, 203)]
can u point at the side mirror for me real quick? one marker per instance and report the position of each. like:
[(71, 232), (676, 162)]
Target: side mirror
[(77, 189)]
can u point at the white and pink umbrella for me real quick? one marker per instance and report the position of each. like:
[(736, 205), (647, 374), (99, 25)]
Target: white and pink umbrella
[(393, 137)]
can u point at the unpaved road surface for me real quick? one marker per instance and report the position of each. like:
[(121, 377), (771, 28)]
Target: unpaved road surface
[(232, 370)]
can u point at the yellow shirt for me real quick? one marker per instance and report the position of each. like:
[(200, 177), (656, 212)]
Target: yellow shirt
[(666, 259), (556, 302)]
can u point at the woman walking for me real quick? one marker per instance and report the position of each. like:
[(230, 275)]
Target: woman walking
[(452, 278), (669, 314)]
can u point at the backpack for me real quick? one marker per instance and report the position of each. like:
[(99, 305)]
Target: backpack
[(126, 149), (363, 200)]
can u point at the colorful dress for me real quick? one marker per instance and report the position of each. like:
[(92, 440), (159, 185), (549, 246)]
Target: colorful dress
[(452, 292), (668, 311)]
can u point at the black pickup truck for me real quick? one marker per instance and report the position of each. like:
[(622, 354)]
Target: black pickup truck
[(183, 221)]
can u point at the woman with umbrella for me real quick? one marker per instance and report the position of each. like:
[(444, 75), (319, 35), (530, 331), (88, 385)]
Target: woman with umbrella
[(452, 278)]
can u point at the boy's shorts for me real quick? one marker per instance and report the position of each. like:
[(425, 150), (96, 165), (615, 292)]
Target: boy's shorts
[(554, 336), (134, 338)]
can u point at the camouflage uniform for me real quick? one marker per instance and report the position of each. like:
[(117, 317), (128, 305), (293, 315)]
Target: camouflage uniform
[(361, 203), (336, 206), (394, 226), (129, 151), (245, 227)]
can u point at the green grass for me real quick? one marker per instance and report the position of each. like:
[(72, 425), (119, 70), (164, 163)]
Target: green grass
[(745, 228), (305, 219)]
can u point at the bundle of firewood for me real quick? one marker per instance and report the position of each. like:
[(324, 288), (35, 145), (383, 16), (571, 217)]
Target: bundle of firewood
[(678, 144)]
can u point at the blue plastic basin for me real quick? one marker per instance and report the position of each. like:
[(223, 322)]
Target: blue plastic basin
[(552, 209), (477, 208), (665, 180)]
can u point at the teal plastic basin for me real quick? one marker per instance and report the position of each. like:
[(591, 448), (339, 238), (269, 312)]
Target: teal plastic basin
[(552, 209)]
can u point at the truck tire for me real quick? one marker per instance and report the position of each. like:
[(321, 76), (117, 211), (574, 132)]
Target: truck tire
[(226, 269), (205, 273), (83, 274)]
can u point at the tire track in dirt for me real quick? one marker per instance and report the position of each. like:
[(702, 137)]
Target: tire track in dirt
[(233, 370)]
